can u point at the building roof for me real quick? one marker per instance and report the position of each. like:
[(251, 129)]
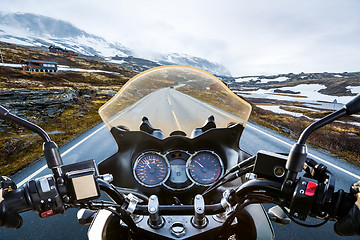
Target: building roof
[(36, 61)]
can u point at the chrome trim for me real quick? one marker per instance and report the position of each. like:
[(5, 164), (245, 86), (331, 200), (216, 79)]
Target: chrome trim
[(204, 151), (137, 161), (179, 189)]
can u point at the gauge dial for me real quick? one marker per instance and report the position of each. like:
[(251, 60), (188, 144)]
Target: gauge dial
[(151, 169), (204, 168)]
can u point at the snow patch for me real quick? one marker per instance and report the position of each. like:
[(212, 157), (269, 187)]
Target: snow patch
[(10, 65), (279, 79), (262, 80), (354, 89), (117, 61), (278, 110), (67, 68), (246, 79)]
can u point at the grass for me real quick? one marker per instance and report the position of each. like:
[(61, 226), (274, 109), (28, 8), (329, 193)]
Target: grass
[(20, 147), (339, 138)]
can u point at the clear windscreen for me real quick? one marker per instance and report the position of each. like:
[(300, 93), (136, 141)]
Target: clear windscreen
[(174, 98)]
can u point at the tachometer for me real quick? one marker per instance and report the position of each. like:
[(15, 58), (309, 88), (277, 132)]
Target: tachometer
[(204, 168), (151, 169)]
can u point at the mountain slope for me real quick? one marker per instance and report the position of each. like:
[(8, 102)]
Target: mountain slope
[(35, 30), (184, 59), (40, 31)]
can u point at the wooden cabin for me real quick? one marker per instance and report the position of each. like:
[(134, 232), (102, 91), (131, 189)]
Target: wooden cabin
[(55, 49), (38, 66)]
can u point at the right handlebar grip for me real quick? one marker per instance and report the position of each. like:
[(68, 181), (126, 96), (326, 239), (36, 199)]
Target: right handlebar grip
[(349, 225)]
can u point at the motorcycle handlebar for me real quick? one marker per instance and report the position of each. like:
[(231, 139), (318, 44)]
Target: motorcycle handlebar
[(42, 195)]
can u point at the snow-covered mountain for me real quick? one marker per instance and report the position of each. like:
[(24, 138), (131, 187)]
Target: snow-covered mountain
[(184, 59), (41, 31), (36, 30)]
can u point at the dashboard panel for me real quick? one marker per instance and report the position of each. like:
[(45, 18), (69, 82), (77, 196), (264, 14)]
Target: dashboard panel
[(178, 170)]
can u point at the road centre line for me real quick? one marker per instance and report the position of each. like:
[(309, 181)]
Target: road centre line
[(31, 176), (311, 155), (176, 120)]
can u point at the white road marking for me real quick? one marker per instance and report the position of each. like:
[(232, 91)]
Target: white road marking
[(311, 155), (31, 176)]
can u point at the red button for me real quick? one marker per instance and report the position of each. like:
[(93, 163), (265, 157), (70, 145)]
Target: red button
[(310, 189), (46, 214)]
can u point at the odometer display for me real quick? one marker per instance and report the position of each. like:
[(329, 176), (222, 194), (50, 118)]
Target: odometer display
[(204, 168), (151, 169)]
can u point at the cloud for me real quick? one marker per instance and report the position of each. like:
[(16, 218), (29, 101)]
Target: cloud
[(248, 37)]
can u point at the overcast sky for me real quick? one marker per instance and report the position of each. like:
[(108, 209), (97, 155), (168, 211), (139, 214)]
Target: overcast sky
[(248, 37)]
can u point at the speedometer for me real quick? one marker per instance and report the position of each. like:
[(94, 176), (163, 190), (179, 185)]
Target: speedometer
[(204, 168), (151, 169)]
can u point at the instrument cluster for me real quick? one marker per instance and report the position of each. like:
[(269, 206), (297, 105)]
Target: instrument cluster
[(178, 170)]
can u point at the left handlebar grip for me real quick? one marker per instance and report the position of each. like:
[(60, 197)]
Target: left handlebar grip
[(14, 202), (8, 218), (40, 195)]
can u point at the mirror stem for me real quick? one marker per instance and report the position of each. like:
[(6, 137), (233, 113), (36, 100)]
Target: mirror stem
[(51, 151), (6, 115), (322, 122)]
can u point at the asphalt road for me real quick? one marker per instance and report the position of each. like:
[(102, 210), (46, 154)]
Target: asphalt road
[(171, 110), (98, 144)]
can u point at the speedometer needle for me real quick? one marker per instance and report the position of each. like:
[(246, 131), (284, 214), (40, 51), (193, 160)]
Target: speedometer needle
[(199, 164), (147, 163)]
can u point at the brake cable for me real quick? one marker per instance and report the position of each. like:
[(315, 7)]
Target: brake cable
[(238, 167), (303, 224), (234, 176)]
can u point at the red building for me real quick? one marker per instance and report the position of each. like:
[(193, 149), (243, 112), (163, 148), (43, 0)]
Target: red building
[(38, 66)]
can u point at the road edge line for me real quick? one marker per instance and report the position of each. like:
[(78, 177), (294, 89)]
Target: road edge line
[(63, 154)]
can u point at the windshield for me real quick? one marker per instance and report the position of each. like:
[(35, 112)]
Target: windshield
[(174, 98)]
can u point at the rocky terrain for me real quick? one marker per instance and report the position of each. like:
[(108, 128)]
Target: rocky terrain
[(64, 103)]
